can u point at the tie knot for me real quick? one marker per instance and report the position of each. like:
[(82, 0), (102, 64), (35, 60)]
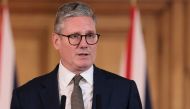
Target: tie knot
[(77, 79)]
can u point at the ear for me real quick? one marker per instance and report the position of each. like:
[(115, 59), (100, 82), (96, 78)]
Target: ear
[(55, 40)]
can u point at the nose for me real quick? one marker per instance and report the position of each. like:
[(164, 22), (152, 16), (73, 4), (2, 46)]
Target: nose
[(83, 42)]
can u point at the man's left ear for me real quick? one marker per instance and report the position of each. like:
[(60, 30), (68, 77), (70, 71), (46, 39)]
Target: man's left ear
[(55, 40)]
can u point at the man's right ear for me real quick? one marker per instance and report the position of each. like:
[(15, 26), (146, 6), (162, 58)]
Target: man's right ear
[(55, 40)]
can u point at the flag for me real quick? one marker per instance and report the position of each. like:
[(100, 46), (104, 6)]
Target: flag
[(134, 64), (7, 59)]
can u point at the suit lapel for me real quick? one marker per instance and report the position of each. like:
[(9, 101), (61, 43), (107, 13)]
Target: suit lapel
[(49, 91), (102, 90)]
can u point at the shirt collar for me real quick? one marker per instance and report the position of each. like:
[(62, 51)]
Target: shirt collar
[(88, 75), (66, 76)]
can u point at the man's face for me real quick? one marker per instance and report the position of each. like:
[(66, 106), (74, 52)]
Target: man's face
[(81, 57)]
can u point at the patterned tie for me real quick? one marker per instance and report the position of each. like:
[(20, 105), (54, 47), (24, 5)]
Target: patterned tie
[(76, 96)]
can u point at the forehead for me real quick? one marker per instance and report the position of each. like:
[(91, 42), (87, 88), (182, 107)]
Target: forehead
[(80, 24)]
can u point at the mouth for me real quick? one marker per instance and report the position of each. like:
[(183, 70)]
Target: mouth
[(83, 54)]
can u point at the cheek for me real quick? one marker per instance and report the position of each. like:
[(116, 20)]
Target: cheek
[(65, 51), (68, 51), (94, 51)]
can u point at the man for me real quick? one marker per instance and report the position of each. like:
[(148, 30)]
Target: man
[(76, 83)]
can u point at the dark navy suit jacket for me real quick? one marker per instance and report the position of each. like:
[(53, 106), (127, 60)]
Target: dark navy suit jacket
[(110, 92)]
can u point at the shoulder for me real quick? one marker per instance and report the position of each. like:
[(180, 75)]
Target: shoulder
[(113, 77), (111, 81), (37, 83)]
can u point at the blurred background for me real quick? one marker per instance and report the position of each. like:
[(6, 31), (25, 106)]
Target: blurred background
[(166, 28)]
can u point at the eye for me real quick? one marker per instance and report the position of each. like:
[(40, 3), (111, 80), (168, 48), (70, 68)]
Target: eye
[(91, 36), (74, 36)]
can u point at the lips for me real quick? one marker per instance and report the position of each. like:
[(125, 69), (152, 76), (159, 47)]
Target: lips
[(83, 54)]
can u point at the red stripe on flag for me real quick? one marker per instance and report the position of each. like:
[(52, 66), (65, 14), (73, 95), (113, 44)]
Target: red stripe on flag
[(130, 44)]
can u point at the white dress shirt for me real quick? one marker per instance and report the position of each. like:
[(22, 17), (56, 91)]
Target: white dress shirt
[(66, 85)]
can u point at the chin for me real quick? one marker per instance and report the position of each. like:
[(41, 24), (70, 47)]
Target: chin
[(84, 66)]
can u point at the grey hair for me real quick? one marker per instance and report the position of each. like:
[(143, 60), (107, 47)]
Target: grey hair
[(72, 9)]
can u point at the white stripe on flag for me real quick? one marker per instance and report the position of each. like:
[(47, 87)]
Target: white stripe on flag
[(138, 71), (138, 61), (7, 62)]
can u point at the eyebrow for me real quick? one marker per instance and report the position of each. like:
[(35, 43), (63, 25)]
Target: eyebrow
[(88, 32)]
